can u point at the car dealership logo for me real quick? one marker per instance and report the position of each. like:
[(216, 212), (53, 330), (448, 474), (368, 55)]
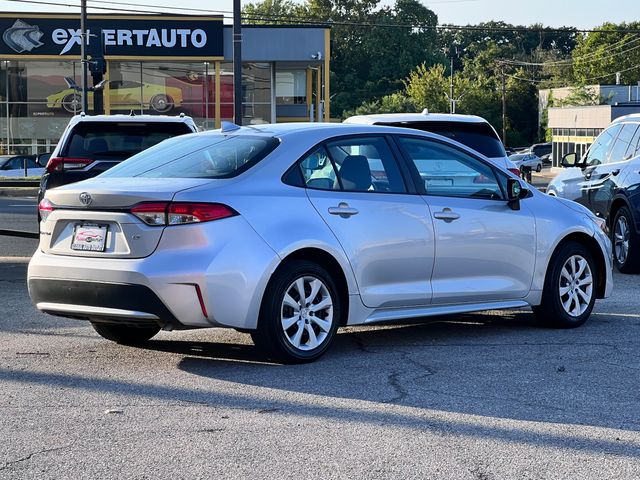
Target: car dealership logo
[(22, 37)]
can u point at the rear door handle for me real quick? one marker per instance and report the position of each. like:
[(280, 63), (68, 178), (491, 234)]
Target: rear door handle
[(343, 210), (615, 172), (447, 215)]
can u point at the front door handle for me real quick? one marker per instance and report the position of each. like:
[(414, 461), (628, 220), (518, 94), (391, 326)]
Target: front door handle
[(343, 210), (615, 172), (447, 215)]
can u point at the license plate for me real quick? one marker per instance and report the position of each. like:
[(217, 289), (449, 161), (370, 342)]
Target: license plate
[(89, 237)]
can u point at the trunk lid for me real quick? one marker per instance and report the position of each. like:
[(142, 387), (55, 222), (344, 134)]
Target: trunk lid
[(92, 218)]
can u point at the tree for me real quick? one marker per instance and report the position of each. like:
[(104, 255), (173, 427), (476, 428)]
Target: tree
[(599, 55)]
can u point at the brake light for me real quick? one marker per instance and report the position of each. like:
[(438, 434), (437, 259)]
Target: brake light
[(45, 207), (57, 164), (180, 213), (515, 171)]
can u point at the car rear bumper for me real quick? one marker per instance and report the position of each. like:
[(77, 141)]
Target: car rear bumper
[(203, 275), (86, 300)]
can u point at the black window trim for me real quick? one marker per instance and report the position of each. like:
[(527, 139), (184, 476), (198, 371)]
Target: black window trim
[(416, 174)]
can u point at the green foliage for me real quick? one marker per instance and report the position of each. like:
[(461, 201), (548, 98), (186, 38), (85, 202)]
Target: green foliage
[(394, 103), (599, 55)]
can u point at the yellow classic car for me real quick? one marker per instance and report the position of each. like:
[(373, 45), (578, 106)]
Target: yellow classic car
[(123, 95)]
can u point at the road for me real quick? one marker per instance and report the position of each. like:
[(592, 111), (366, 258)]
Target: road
[(18, 213), (486, 396)]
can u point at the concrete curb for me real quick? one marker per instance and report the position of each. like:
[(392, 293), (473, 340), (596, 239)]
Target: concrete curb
[(18, 191)]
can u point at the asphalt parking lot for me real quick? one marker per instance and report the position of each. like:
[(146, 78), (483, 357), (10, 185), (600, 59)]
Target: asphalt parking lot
[(484, 396)]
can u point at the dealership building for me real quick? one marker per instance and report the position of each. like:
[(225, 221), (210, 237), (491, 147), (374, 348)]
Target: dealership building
[(154, 64)]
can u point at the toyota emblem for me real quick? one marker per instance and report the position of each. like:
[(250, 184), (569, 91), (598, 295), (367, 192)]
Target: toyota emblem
[(85, 198)]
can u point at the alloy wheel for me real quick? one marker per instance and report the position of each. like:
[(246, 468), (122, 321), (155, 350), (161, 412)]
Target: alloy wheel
[(307, 313), (621, 239), (576, 285)]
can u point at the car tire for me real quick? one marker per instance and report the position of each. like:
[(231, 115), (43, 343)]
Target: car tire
[(72, 103), (125, 334), (538, 168), (624, 239), (161, 103), (569, 289), (293, 329)]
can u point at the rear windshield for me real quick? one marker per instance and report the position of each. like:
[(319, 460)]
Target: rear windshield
[(197, 156), (478, 136), (117, 141)]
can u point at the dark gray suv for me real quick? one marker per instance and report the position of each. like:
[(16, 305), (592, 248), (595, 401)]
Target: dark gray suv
[(607, 181)]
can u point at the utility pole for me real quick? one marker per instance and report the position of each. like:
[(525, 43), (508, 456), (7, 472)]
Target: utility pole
[(452, 102), (237, 64), (504, 105), (83, 55)]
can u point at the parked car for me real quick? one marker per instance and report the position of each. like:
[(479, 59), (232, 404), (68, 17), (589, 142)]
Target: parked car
[(13, 166), (92, 144), (522, 160), (123, 95), (289, 231), (607, 181), (541, 149), (470, 130)]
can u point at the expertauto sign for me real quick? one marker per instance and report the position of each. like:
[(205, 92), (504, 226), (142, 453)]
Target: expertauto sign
[(164, 37), (123, 36)]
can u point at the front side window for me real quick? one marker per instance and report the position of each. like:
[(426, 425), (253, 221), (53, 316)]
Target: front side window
[(448, 172), (620, 147), (599, 151)]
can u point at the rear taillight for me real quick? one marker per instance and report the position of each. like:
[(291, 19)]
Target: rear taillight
[(45, 207), (515, 171), (57, 164), (180, 213)]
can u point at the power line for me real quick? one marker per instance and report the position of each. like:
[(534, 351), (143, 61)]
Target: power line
[(282, 18), (603, 55)]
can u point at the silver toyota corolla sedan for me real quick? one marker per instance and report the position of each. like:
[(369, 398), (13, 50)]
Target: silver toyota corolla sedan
[(291, 231)]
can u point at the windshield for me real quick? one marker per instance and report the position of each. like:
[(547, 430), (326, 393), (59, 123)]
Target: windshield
[(197, 156), (477, 135), (97, 140)]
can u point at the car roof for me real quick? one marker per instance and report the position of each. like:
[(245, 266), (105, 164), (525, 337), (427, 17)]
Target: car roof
[(120, 118), (634, 117), (414, 117), (290, 129)]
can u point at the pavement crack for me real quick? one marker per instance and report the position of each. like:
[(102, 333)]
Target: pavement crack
[(32, 454), (394, 381), (360, 343)]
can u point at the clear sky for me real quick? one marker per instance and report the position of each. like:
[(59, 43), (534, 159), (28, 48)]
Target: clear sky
[(554, 13)]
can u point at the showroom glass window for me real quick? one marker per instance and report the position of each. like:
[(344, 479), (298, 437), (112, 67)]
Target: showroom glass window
[(35, 103)]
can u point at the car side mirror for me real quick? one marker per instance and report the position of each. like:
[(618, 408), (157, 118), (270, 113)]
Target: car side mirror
[(515, 192), (43, 159), (569, 160)]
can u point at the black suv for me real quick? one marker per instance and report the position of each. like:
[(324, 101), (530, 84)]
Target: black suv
[(607, 181), (92, 144)]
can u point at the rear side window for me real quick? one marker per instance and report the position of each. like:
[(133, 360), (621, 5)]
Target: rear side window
[(198, 156), (356, 164), (111, 140), (478, 135)]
